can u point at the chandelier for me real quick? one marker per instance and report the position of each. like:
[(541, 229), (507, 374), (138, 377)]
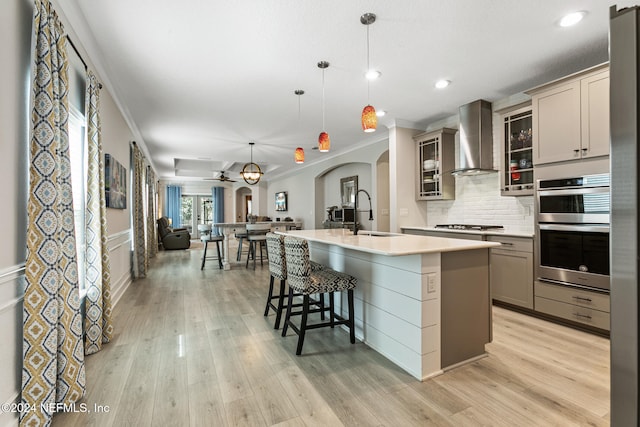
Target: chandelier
[(251, 172)]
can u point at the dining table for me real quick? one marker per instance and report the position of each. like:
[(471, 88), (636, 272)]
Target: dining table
[(231, 228)]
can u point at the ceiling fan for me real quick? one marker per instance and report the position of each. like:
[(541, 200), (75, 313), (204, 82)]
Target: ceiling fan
[(222, 178)]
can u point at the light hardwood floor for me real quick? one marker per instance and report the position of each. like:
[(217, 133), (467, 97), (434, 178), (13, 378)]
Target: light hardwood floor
[(193, 348)]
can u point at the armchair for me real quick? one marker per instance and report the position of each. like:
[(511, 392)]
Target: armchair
[(173, 238)]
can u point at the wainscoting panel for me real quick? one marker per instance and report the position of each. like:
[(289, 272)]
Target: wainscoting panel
[(12, 283), (120, 254)]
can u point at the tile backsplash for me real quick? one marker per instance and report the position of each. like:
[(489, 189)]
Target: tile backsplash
[(478, 201)]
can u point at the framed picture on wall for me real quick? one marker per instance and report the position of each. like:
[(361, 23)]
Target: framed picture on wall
[(281, 201), (115, 183)]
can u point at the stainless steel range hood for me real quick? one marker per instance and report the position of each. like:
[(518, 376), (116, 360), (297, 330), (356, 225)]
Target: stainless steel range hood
[(476, 139)]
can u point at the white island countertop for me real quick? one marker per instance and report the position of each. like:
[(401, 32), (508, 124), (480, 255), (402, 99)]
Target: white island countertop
[(389, 244)]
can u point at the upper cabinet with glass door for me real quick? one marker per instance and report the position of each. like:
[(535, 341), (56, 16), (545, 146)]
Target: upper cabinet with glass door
[(435, 161), (517, 149)]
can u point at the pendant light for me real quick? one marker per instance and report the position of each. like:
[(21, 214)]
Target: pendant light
[(298, 156), (369, 119), (251, 172), (324, 143)]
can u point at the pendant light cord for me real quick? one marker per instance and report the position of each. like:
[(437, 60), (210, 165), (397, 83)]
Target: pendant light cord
[(368, 69), (323, 128)]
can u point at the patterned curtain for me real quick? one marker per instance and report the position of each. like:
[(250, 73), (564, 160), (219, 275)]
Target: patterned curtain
[(174, 205), (217, 194), (53, 358), (152, 209), (98, 326), (140, 255)]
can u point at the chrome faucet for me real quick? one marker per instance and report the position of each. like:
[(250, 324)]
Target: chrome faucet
[(355, 211)]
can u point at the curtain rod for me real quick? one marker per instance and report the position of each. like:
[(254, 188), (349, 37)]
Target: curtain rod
[(80, 56)]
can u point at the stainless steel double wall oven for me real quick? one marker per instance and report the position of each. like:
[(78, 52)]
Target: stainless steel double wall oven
[(573, 218)]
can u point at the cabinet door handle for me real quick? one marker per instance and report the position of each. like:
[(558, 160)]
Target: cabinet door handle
[(582, 316), (577, 150), (582, 298), (584, 150)]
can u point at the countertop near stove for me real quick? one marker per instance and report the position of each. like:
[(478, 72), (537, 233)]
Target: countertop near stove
[(507, 231), (389, 244)]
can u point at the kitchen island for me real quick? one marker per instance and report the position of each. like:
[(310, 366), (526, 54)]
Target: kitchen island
[(422, 302)]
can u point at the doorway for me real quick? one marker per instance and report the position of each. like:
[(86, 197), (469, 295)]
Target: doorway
[(196, 210), (247, 206)]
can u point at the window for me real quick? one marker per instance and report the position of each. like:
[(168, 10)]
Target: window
[(78, 154), (186, 213)]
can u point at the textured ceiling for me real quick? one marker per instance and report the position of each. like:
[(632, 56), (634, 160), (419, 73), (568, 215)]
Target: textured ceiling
[(199, 79)]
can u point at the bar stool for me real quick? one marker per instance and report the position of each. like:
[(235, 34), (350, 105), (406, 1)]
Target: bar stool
[(257, 235), (241, 238), (278, 270), (207, 236), (302, 279)]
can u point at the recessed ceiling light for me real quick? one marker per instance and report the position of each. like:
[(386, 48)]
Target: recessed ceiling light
[(380, 113), (572, 19), (441, 84), (372, 74)]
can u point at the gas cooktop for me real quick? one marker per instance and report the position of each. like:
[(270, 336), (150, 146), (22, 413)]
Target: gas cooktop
[(469, 227)]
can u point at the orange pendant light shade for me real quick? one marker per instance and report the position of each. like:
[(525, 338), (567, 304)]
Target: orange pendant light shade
[(369, 119), (299, 155), (324, 143)]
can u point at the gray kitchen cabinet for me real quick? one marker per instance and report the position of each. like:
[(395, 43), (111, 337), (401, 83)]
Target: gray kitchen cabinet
[(571, 117), (578, 305), (512, 271), (435, 153)]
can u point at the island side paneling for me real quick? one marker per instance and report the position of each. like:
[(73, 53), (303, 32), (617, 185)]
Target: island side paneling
[(396, 312)]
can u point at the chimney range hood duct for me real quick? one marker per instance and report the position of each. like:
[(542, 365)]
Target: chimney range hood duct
[(476, 139)]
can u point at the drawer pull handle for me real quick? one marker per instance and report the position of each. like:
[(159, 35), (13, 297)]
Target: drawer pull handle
[(585, 149), (506, 244), (582, 298), (582, 316), (576, 151)]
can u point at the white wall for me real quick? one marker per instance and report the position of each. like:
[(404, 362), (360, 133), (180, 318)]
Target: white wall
[(311, 189), (404, 209), (116, 138)]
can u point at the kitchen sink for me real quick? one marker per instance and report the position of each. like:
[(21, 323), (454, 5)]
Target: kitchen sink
[(377, 234)]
